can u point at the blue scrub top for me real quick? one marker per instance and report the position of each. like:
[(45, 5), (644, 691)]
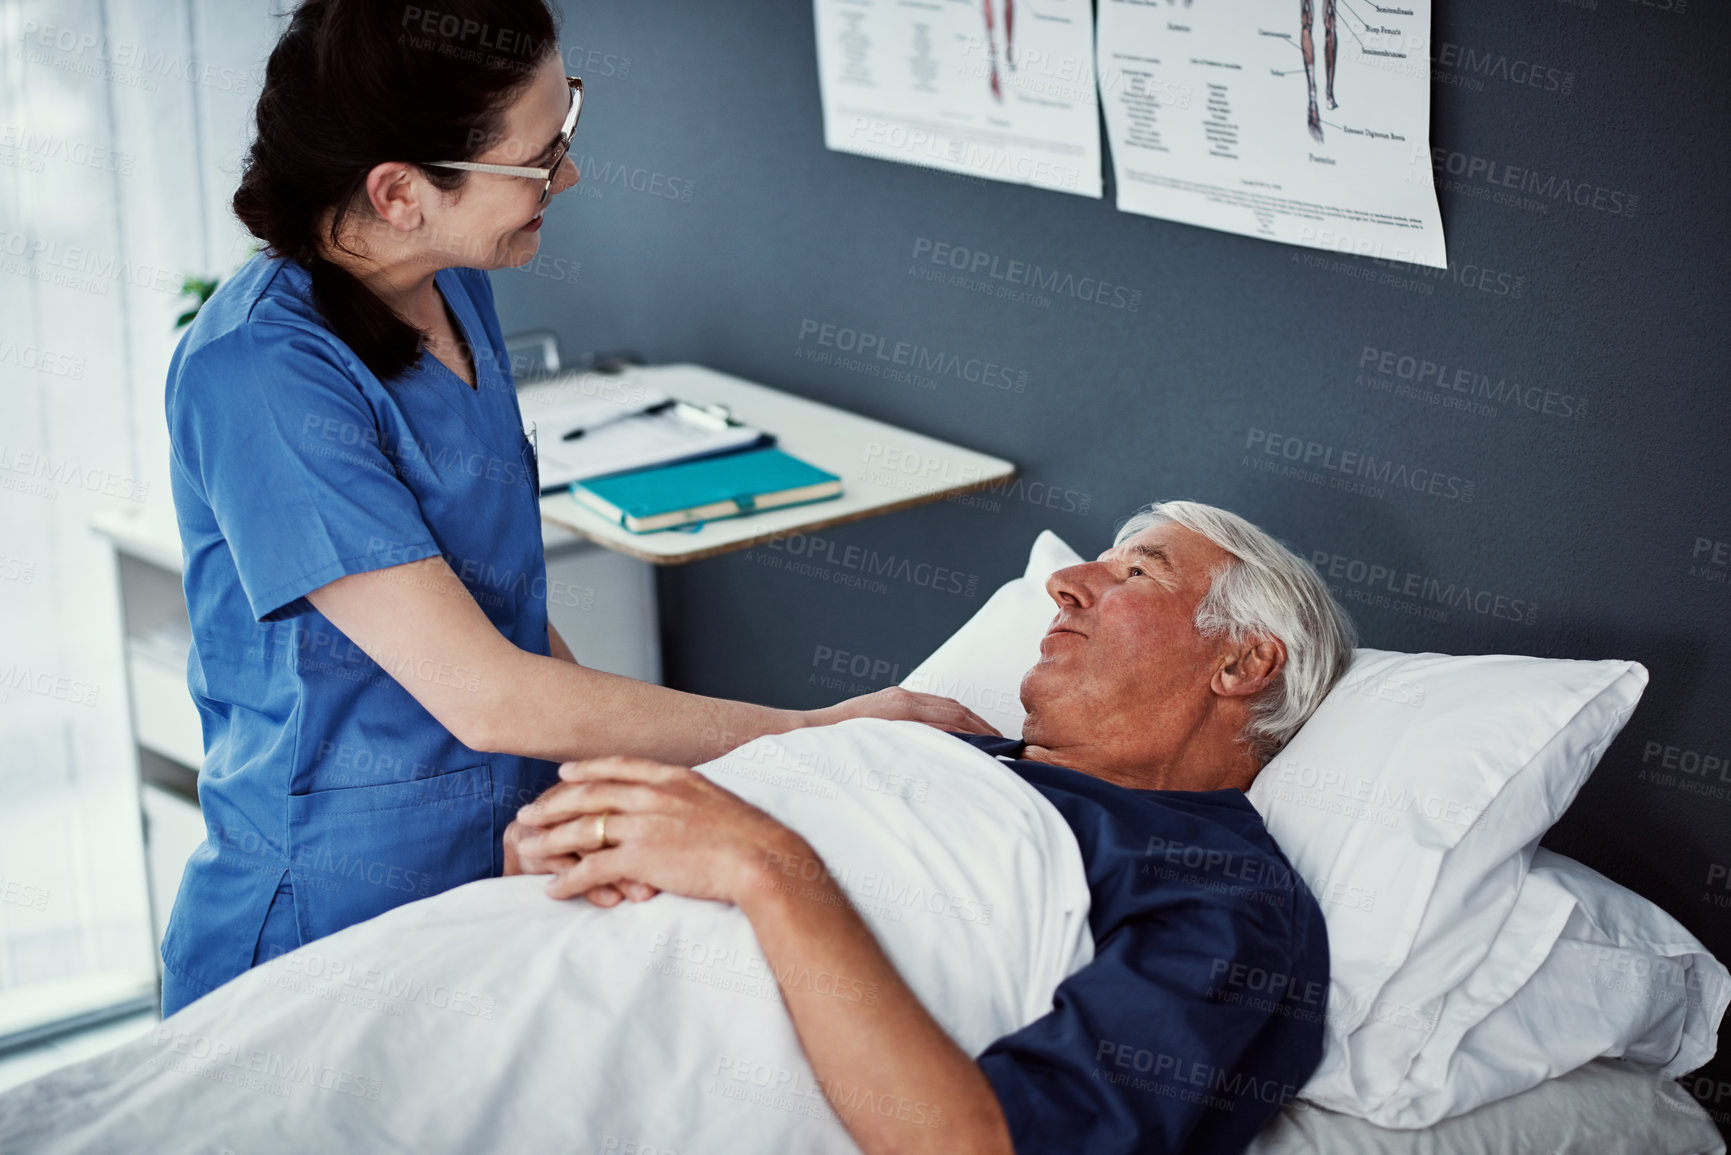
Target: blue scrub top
[(293, 465), (1202, 1013)]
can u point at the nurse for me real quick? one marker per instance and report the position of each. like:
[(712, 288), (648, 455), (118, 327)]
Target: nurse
[(379, 684)]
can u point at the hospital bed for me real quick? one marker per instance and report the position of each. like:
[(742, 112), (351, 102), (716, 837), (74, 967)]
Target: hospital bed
[(456, 1023)]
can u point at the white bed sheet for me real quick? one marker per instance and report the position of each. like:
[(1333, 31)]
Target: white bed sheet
[(492, 1018), (1607, 1107)]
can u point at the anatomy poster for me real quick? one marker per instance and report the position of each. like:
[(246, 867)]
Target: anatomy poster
[(1000, 89), (1303, 121)]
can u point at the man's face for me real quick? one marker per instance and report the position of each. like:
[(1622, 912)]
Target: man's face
[(1122, 663)]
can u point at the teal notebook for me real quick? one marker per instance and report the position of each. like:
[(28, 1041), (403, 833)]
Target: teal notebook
[(715, 487)]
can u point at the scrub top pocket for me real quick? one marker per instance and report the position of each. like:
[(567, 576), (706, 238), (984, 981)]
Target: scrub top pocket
[(359, 851)]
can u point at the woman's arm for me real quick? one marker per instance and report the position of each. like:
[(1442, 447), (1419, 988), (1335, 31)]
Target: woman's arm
[(419, 622), (896, 1080)]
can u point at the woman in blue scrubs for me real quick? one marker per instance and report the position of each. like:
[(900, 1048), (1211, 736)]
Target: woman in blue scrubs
[(379, 684)]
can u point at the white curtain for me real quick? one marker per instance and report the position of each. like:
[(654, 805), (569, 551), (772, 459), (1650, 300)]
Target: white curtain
[(122, 127)]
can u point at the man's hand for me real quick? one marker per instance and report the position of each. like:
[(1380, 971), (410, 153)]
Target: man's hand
[(553, 834), (897, 704), (667, 828)]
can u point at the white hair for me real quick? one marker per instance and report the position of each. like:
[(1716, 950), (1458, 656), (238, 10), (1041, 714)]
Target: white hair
[(1266, 591)]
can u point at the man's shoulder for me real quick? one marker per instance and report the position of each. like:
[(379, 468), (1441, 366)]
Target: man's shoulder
[(1216, 832), (1211, 840)]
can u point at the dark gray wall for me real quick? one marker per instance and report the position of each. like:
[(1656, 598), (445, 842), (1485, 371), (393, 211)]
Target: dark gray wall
[(1596, 532)]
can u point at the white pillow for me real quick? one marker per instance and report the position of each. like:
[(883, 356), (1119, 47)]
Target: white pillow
[(1372, 802), (1411, 803), (1622, 979), (981, 665)]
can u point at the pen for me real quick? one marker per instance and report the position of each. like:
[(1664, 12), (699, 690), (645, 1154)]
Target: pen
[(582, 429)]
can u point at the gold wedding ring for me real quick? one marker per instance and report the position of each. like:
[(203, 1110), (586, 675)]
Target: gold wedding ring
[(601, 830)]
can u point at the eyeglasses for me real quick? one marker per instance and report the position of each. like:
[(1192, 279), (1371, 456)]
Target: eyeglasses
[(544, 175)]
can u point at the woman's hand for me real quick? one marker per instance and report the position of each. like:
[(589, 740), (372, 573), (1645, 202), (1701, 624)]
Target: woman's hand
[(897, 704), (667, 828), (517, 861)]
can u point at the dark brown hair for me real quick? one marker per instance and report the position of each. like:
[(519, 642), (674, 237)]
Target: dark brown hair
[(356, 83)]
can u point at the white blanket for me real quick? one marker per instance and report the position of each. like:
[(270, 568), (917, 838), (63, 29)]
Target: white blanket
[(492, 1018)]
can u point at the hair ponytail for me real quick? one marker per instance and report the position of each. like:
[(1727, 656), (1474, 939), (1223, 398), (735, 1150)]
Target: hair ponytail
[(353, 84)]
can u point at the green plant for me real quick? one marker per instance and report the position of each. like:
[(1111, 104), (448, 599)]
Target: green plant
[(200, 290)]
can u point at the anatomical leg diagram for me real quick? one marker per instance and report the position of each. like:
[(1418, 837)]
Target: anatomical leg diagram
[(1009, 40), (1309, 46)]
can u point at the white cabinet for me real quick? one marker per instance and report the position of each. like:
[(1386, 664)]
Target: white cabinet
[(173, 828), (602, 603)]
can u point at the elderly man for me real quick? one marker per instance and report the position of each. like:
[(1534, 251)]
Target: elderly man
[(1178, 663)]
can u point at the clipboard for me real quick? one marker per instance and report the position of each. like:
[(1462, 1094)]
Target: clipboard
[(664, 432)]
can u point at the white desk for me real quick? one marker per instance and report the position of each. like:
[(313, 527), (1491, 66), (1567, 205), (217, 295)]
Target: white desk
[(883, 468)]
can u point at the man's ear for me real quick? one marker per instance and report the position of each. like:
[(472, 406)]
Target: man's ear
[(1250, 669), (394, 193)]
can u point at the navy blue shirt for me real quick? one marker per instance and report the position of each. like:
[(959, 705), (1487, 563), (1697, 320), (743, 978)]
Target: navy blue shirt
[(1202, 1013)]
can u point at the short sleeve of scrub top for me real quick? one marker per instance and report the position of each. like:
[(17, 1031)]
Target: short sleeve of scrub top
[(287, 452), (293, 465)]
